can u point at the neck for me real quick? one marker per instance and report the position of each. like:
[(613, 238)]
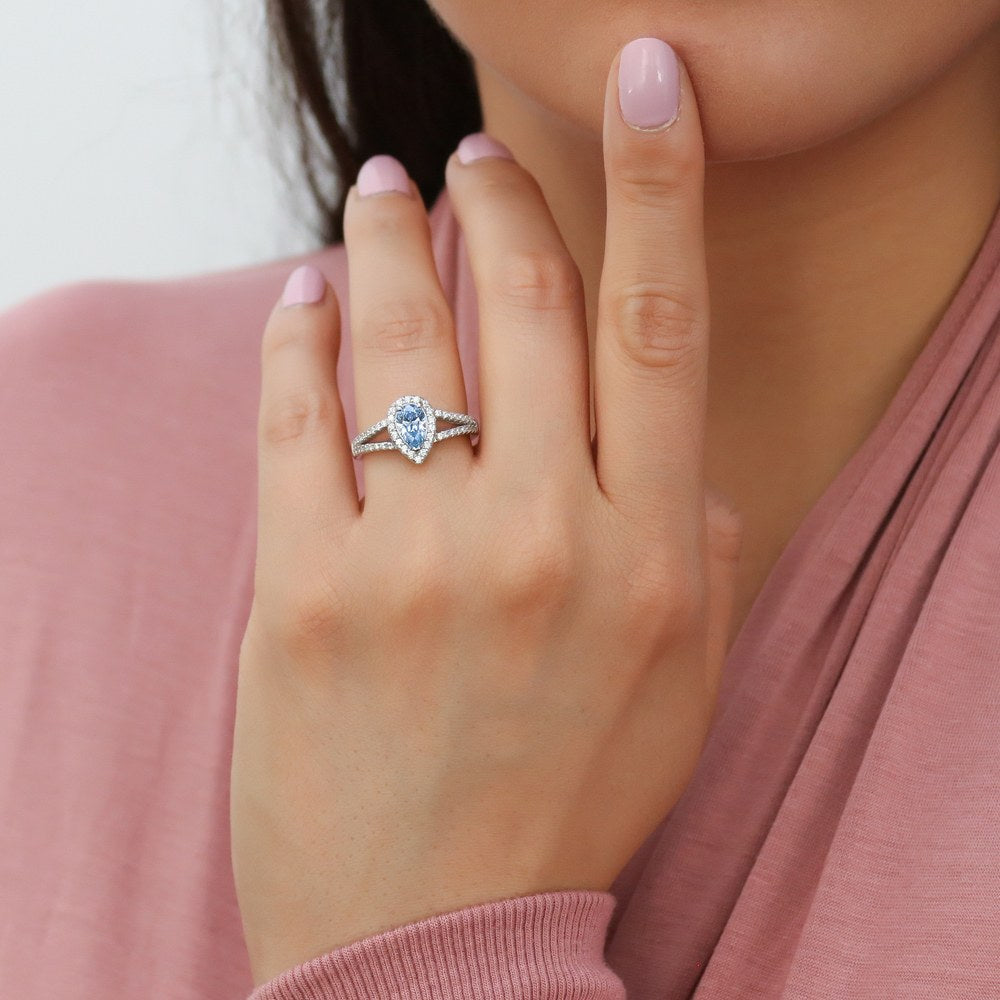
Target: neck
[(849, 250), (829, 269)]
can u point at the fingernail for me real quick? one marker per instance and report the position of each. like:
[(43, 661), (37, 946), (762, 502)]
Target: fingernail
[(648, 83), (478, 145), (382, 173), (306, 284)]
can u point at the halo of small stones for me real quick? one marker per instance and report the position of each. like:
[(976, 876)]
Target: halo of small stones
[(467, 424)]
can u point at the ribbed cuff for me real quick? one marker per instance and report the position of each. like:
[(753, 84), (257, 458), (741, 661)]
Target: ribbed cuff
[(544, 945)]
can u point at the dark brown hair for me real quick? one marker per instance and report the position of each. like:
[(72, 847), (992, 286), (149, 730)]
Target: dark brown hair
[(358, 77)]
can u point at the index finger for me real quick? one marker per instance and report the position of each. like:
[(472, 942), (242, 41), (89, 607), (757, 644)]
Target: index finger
[(651, 350)]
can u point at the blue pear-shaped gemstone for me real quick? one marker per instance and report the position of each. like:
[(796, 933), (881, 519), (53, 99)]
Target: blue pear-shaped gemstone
[(410, 422)]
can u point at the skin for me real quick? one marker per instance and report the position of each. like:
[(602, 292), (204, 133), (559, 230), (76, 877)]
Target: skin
[(853, 166), (435, 711), (505, 692)]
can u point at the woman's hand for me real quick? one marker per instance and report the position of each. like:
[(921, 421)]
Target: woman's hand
[(495, 676)]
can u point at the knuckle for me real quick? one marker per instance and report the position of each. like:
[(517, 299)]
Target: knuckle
[(288, 331), (686, 604), (725, 527), (314, 620), (384, 221), (432, 599), (403, 326), (537, 571), (648, 178), (293, 413), (421, 583), (662, 600), (657, 328), (503, 182), (537, 280)]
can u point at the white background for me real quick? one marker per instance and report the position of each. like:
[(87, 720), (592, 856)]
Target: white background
[(133, 143)]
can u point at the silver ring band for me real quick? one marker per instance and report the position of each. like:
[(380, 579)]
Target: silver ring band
[(412, 425)]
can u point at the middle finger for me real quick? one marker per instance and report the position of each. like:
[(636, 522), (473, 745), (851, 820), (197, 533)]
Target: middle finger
[(534, 378)]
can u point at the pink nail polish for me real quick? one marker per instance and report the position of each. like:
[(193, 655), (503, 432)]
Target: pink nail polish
[(478, 145), (648, 83), (382, 173), (305, 285)]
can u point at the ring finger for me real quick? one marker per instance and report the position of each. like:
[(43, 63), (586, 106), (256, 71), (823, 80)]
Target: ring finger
[(402, 329)]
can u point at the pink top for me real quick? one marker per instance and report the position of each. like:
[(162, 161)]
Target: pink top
[(840, 837)]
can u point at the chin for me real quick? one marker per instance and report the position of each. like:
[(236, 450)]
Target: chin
[(771, 78), (795, 91), (774, 108), (776, 115)]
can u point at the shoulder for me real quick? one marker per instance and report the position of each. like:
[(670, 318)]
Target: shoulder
[(72, 324), (78, 348), (127, 389), (189, 315)]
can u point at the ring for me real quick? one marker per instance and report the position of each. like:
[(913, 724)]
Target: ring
[(412, 425)]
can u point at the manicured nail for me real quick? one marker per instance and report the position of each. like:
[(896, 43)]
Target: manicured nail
[(648, 83), (478, 145), (382, 173), (305, 285)]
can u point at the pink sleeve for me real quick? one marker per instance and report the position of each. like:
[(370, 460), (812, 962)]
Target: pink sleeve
[(541, 946)]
